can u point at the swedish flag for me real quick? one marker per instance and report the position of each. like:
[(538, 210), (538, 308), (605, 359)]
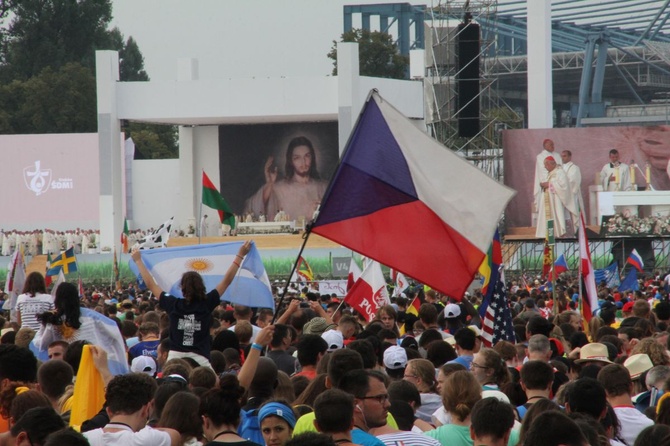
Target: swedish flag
[(66, 261)]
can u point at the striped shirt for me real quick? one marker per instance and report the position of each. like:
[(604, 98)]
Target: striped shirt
[(404, 438)]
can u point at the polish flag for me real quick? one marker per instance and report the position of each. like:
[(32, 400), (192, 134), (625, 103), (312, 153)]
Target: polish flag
[(369, 293), (587, 275), (354, 274)]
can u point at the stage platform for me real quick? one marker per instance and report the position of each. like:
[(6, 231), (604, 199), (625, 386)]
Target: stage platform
[(522, 251), (527, 234), (263, 241)]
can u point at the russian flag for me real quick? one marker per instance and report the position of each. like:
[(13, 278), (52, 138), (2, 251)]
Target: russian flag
[(636, 260), (406, 201)]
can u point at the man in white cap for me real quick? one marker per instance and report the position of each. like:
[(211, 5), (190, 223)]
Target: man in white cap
[(395, 360), (144, 364)]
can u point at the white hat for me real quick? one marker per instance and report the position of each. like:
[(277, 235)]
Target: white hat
[(638, 364), (395, 357), (497, 394), (452, 310), (594, 351), (334, 339), (143, 364)]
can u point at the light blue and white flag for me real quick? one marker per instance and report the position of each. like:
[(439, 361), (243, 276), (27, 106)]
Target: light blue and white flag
[(610, 275), (95, 328), (250, 287)]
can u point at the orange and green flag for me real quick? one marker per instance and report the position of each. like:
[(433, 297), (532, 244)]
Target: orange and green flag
[(124, 236), (212, 198)]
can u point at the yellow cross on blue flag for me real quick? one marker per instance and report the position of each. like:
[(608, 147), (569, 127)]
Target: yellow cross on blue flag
[(66, 261)]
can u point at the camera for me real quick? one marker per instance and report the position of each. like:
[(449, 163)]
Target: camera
[(49, 317)]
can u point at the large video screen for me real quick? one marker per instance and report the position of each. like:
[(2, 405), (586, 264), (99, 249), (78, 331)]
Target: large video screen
[(590, 151), (270, 169), (49, 181)]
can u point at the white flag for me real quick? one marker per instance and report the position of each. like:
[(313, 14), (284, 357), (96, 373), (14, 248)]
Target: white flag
[(158, 238)]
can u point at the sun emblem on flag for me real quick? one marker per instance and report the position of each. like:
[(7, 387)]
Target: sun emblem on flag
[(199, 265)]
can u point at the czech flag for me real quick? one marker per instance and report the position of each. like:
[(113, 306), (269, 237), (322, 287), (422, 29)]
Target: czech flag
[(406, 201), (560, 266), (636, 260)]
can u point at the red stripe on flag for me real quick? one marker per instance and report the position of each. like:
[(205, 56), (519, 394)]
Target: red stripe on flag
[(441, 257)]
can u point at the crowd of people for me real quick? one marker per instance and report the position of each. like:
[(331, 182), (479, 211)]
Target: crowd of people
[(200, 371)]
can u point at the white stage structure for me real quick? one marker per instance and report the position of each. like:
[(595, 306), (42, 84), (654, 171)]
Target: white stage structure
[(162, 189)]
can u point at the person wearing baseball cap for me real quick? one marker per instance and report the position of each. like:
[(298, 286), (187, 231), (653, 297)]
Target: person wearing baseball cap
[(395, 360)]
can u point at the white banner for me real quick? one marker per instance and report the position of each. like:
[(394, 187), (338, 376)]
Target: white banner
[(339, 287)]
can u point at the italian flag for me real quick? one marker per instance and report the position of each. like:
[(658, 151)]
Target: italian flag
[(212, 198)]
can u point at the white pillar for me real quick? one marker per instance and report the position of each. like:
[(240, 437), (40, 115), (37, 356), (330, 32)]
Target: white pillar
[(348, 97), (110, 150), (187, 71), (540, 91)]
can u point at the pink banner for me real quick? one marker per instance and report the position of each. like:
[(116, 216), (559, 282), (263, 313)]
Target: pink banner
[(49, 178)]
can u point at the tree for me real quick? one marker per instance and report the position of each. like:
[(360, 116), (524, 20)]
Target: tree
[(131, 62), (51, 33), (378, 55), (55, 101), (47, 70)]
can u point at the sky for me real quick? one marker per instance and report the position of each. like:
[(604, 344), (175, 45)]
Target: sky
[(234, 38)]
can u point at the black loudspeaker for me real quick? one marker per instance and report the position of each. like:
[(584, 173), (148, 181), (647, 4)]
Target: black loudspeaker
[(467, 79)]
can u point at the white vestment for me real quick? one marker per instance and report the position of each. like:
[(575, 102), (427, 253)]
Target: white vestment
[(574, 175), (622, 177), (558, 196), (541, 173)]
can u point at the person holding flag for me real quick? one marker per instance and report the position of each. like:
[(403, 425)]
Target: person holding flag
[(69, 322), (190, 317)]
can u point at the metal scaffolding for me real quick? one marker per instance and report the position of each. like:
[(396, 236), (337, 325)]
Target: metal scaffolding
[(441, 90), (526, 256)]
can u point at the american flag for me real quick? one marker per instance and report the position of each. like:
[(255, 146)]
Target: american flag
[(496, 314)]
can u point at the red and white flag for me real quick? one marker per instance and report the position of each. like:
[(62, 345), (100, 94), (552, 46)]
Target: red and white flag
[(16, 279), (401, 282), (588, 278), (369, 293), (354, 274)]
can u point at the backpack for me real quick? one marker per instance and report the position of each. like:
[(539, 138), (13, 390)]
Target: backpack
[(250, 427)]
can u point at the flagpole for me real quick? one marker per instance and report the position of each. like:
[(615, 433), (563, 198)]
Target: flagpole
[(581, 291), (308, 227), (199, 222), (305, 237)]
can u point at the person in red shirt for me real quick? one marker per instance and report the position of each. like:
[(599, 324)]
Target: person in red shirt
[(311, 349)]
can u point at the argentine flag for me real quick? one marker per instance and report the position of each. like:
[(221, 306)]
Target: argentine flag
[(250, 287)]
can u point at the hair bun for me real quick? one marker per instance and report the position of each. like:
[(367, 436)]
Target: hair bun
[(230, 387)]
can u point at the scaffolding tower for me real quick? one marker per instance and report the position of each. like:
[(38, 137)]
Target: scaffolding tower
[(443, 109)]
